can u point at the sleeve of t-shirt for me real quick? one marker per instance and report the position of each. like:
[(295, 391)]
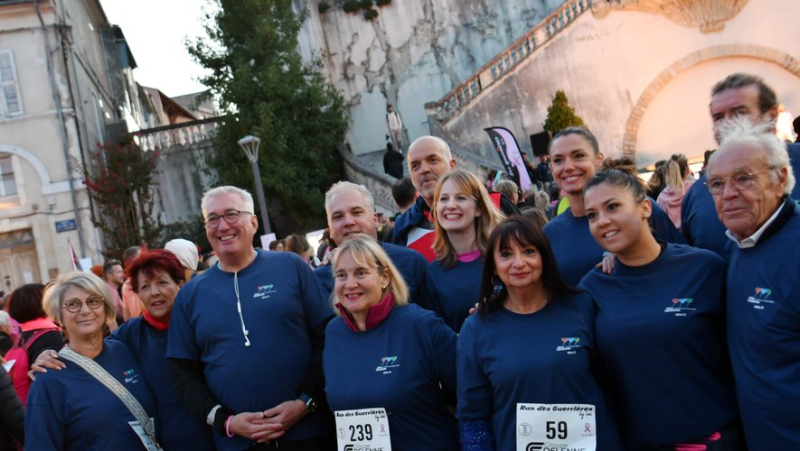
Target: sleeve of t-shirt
[(473, 388), (43, 430), (443, 342), (48, 340), (181, 342), (662, 226), (315, 298), (686, 207)]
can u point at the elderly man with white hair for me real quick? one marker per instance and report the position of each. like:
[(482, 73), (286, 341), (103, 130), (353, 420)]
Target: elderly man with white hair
[(750, 179)]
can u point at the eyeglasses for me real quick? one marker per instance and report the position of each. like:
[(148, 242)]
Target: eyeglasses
[(230, 216), (75, 305), (742, 181)]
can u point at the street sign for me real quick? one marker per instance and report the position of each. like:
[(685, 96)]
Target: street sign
[(66, 225)]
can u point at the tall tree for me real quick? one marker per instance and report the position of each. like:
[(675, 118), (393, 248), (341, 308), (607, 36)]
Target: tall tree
[(121, 180), (561, 115), (267, 91)]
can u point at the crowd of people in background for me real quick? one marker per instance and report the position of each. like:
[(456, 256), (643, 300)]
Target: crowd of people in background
[(595, 310)]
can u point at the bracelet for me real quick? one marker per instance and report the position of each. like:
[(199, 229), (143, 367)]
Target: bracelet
[(228, 427)]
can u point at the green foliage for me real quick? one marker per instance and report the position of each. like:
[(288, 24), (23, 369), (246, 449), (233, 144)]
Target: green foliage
[(191, 229), (351, 6), (561, 115), (383, 2), (258, 76), (370, 14), (365, 4), (323, 7), (120, 180)]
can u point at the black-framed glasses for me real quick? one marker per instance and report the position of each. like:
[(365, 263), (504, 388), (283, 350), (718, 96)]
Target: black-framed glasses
[(230, 216), (742, 181), (75, 305)]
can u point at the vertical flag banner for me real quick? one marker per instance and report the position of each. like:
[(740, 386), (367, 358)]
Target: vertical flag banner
[(72, 256), (508, 150)]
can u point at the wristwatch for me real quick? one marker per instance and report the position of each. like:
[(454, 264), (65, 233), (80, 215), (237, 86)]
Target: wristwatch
[(311, 405)]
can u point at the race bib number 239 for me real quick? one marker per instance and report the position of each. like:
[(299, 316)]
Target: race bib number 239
[(363, 430), (556, 427)]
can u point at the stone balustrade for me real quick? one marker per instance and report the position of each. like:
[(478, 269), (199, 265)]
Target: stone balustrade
[(504, 62), (184, 134)]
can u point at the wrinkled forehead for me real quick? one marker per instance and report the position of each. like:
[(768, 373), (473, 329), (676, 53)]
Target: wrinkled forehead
[(347, 200), (737, 157)]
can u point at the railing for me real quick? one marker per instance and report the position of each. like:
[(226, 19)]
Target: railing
[(467, 91), (184, 134)]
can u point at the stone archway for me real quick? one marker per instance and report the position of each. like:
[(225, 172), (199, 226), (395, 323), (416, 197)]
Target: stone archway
[(48, 187), (777, 57)]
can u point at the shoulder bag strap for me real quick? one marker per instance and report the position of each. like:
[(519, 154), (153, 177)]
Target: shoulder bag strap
[(114, 385)]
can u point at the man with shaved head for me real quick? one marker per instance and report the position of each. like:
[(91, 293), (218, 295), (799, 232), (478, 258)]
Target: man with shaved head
[(429, 158)]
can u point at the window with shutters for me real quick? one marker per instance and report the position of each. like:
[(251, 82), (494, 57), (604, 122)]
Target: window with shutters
[(11, 101), (8, 187)]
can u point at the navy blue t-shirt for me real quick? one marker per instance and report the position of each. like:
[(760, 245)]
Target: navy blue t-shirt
[(179, 428), (577, 252), (282, 302), (660, 330), (506, 358), (412, 388), (763, 300), (410, 263), (700, 224), (453, 291), (71, 410)]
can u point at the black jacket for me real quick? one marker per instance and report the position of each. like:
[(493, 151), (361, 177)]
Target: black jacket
[(12, 417), (393, 163)]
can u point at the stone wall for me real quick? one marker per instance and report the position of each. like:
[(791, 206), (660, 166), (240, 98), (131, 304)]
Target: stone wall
[(640, 80), (415, 51)]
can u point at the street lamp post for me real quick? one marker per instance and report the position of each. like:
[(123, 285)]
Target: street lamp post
[(250, 145)]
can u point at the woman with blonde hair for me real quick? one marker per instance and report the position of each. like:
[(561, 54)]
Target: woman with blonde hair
[(100, 400), (386, 361), (465, 217), (671, 197)]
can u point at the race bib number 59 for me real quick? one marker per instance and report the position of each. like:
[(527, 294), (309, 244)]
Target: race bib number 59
[(556, 427), (363, 430)]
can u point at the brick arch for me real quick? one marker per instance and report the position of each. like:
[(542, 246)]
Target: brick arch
[(768, 54)]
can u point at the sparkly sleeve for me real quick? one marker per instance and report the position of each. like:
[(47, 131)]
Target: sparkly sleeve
[(476, 435)]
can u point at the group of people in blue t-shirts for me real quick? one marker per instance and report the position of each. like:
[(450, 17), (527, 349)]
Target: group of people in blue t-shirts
[(603, 330)]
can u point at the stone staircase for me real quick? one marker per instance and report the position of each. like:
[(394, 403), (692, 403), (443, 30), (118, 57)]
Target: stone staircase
[(367, 169)]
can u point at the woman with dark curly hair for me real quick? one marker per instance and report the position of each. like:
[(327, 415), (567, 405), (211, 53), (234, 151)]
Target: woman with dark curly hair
[(525, 362)]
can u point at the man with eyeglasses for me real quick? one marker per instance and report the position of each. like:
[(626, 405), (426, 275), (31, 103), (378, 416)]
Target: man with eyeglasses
[(738, 95), (244, 335), (750, 180)]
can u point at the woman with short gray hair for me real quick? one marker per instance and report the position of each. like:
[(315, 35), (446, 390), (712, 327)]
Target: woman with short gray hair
[(100, 400)]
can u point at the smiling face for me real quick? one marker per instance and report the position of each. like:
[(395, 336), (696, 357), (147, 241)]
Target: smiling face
[(157, 291), (617, 222), (456, 210), (518, 265), (87, 323), (358, 286), (230, 241), (348, 215), (743, 212), (116, 276), (573, 162), (428, 159)]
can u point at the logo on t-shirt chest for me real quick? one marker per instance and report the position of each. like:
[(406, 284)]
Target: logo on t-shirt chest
[(387, 364), (761, 298), (264, 291), (569, 345), (131, 376), (680, 306)]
